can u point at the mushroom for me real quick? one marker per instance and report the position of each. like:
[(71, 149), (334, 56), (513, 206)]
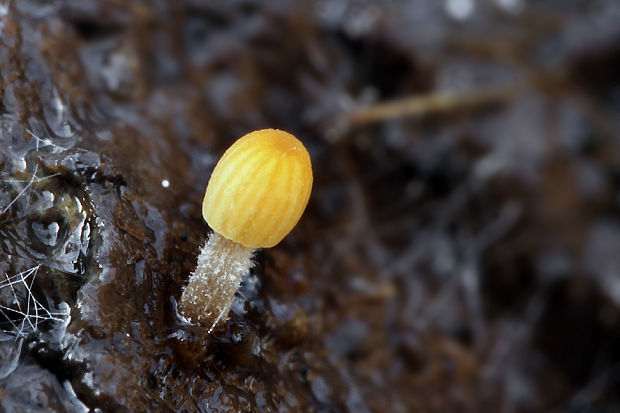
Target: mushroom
[(256, 194)]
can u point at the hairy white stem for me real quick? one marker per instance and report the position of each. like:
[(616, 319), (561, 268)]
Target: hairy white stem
[(212, 286)]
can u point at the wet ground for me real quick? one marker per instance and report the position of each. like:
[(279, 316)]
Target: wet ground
[(459, 251)]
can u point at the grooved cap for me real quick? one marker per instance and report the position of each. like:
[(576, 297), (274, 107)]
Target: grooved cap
[(259, 188)]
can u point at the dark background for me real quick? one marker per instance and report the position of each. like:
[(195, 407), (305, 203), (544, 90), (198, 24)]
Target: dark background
[(460, 251)]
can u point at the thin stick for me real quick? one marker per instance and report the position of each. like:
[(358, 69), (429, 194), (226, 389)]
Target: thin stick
[(432, 103)]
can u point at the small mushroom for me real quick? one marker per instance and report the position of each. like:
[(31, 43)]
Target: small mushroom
[(256, 194)]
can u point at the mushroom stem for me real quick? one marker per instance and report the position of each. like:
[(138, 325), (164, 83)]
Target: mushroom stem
[(211, 289)]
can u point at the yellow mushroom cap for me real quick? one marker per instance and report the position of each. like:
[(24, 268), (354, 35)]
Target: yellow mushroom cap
[(259, 188)]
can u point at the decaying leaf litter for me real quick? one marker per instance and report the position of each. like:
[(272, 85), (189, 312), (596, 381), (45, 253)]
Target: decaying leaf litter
[(458, 252)]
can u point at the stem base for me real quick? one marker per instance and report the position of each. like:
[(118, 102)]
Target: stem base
[(212, 286)]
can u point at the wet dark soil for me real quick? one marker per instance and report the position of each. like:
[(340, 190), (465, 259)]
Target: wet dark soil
[(460, 256)]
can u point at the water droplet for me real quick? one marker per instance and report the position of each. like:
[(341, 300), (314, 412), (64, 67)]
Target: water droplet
[(48, 234)]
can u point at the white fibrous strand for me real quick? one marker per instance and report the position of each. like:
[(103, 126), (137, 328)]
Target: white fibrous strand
[(212, 286), (21, 312)]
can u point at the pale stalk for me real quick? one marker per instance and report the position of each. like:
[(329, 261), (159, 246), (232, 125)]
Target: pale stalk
[(211, 288)]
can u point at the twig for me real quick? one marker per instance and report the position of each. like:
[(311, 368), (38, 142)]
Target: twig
[(432, 103)]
